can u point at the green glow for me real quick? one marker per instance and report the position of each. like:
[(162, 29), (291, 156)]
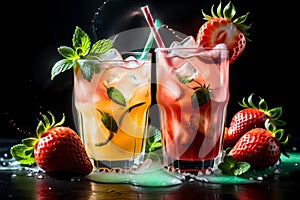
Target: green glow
[(154, 175), (225, 179), (294, 157)]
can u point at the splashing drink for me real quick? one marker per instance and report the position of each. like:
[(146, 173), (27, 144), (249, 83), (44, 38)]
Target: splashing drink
[(112, 108), (192, 94)]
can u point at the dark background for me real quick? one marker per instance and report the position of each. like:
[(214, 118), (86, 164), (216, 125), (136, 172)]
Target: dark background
[(32, 30)]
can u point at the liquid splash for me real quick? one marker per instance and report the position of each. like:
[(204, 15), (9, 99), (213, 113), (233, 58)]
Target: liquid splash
[(151, 174)]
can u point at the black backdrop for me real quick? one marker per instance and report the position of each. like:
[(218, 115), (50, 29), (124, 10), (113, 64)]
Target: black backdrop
[(32, 30)]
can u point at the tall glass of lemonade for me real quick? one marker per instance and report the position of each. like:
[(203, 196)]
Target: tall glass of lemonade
[(112, 108)]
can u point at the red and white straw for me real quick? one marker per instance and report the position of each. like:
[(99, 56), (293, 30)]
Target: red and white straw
[(150, 22)]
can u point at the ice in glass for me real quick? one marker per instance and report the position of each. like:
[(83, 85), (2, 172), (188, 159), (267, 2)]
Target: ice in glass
[(112, 109), (192, 94)]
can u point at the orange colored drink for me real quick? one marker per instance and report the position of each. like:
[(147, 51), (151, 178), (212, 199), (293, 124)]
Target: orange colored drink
[(112, 111)]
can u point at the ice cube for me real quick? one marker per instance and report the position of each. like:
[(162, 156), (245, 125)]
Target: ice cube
[(173, 88), (128, 84), (112, 54), (131, 62), (109, 77), (187, 71), (186, 42), (216, 52)]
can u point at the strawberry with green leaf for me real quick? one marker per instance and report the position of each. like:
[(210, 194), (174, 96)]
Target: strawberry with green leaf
[(251, 116), (82, 49), (261, 147), (56, 149), (223, 28)]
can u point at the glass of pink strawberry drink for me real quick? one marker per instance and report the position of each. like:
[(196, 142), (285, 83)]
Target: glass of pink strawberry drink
[(192, 94), (112, 108)]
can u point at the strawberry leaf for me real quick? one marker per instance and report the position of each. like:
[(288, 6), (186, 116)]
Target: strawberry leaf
[(40, 129), (274, 114), (201, 96)]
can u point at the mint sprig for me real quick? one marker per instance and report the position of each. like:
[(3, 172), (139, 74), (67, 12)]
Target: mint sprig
[(231, 167), (153, 141), (82, 49)]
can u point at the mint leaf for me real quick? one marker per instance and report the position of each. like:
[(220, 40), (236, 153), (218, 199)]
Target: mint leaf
[(23, 154), (240, 168), (101, 47), (82, 49), (81, 42), (88, 69), (231, 167), (109, 122), (153, 141), (68, 53), (115, 95), (61, 66), (183, 79)]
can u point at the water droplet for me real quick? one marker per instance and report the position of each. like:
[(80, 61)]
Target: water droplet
[(29, 174), (40, 176)]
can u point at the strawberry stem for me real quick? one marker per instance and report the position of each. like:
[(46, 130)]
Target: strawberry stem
[(229, 12), (279, 135), (274, 114), (45, 124)]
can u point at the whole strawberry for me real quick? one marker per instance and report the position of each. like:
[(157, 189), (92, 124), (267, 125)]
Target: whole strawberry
[(250, 117), (57, 149), (260, 147), (222, 28)]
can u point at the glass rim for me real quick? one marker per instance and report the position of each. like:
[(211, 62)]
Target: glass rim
[(190, 48), (136, 53)]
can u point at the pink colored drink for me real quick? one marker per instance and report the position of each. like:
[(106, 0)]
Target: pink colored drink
[(192, 93)]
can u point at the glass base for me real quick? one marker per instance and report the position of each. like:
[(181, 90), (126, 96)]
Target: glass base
[(203, 167), (117, 165)]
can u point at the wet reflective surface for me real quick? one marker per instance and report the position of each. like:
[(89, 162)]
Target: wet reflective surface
[(24, 187), (24, 183)]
